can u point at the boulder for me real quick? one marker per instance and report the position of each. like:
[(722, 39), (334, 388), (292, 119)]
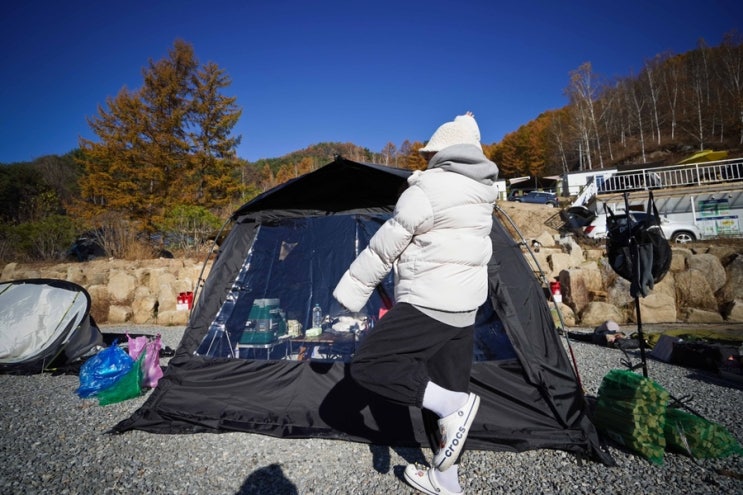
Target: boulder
[(679, 257), (172, 317), (96, 276), (617, 293), (558, 262), (77, 275), (711, 267), (693, 291), (121, 286), (595, 313), (733, 287), (594, 254), (546, 239), (578, 285), (667, 286), (167, 297), (538, 262), (568, 316), (694, 315), (119, 314), (573, 249), (144, 310), (725, 253), (657, 307)]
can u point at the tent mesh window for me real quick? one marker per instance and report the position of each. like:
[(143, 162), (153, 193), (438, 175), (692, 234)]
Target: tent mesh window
[(294, 264)]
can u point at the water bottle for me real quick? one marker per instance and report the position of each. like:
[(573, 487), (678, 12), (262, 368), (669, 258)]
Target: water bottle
[(317, 316)]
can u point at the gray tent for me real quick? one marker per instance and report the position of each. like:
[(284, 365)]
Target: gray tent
[(44, 324), (284, 253)]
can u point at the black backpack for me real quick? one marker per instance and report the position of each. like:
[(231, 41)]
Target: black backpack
[(637, 248)]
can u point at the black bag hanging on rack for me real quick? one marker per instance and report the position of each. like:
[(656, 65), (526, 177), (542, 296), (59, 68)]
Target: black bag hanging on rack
[(636, 247)]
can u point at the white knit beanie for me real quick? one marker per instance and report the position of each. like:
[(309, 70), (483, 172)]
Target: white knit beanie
[(463, 130)]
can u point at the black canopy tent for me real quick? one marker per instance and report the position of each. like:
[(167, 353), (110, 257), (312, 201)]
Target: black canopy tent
[(530, 395)]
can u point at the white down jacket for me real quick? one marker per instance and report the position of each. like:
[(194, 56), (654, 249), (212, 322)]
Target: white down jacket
[(437, 240)]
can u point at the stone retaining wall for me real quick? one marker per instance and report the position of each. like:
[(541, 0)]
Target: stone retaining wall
[(137, 292), (701, 286)]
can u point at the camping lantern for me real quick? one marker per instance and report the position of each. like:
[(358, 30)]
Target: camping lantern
[(555, 289)]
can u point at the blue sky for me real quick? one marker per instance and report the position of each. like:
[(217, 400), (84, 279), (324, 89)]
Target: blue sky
[(366, 72)]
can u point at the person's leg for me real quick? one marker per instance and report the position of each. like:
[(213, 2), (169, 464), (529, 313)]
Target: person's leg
[(449, 369), (442, 401), (451, 366), (408, 354), (392, 360)]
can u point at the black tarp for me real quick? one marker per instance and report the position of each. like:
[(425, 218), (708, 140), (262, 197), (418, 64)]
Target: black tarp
[(530, 395)]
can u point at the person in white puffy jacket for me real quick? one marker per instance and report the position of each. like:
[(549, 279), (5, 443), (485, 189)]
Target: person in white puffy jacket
[(438, 244)]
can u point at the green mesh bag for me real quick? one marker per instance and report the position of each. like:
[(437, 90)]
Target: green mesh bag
[(631, 410), (698, 437), (126, 387)]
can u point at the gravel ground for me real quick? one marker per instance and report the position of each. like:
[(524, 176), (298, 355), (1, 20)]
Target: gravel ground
[(54, 442)]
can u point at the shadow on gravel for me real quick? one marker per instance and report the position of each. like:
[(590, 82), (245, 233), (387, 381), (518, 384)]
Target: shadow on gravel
[(382, 459), (266, 481)]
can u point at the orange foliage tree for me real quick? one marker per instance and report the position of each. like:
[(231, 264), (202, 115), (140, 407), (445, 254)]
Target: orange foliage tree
[(165, 144)]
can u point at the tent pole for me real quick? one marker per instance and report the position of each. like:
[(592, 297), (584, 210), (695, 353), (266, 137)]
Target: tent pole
[(201, 280)]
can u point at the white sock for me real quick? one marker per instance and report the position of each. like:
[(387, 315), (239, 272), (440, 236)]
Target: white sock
[(449, 479), (442, 401)]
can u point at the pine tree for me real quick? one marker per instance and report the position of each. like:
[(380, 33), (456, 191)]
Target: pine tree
[(212, 180), (167, 143)]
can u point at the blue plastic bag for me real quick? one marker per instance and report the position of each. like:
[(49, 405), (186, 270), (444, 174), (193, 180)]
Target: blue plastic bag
[(127, 387), (103, 370)]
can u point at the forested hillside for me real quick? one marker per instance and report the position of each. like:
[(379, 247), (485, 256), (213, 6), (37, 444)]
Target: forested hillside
[(677, 104), (164, 159)]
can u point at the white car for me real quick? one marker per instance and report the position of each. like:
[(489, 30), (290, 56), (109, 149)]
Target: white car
[(680, 233)]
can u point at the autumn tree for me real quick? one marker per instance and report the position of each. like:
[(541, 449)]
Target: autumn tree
[(409, 156), (267, 178), (528, 150), (212, 179), (165, 144), (285, 173)]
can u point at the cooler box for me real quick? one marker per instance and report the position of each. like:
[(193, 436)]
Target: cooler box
[(252, 337), (266, 321)]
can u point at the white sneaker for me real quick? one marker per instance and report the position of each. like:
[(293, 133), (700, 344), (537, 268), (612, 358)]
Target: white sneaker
[(454, 429), (423, 479)]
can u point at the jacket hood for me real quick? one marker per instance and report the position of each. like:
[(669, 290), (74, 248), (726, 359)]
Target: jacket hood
[(467, 160)]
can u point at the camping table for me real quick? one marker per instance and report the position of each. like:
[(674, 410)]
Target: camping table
[(268, 347), (327, 339)]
